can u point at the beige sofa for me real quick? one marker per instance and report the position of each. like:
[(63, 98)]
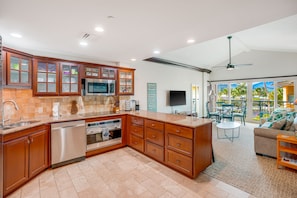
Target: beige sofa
[(280, 122), (265, 140)]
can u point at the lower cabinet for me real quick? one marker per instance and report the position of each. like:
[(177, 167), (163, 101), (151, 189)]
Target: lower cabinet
[(25, 154), (135, 132)]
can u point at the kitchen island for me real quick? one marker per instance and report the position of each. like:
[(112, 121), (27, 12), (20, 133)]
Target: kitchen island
[(180, 142)]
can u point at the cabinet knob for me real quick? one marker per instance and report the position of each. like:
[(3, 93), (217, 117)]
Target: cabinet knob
[(178, 144), (153, 125), (153, 136), (135, 142), (177, 131), (177, 161), (28, 141)]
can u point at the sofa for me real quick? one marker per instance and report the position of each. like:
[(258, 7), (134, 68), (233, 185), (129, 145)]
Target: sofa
[(279, 122)]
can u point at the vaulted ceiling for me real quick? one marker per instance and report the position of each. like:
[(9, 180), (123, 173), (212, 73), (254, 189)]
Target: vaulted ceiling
[(135, 28)]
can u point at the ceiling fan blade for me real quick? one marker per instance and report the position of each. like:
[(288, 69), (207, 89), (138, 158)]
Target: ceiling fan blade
[(219, 67)]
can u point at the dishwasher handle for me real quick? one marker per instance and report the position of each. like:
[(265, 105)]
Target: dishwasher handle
[(70, 126)]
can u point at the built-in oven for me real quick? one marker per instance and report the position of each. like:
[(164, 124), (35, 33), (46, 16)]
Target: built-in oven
[(103, 133)]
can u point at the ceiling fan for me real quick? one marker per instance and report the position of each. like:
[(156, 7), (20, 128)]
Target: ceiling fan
[(231, 66)]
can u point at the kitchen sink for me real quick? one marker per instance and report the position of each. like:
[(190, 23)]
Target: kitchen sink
[(19, 124)]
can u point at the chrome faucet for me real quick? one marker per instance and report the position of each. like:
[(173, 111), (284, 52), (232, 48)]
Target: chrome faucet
[(15, 106)]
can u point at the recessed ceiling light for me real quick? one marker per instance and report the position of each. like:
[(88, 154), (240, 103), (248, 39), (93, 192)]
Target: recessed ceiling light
[(190, 41), (16, 35), (156, 52), (99, 29), (133, 59), (83, 43)]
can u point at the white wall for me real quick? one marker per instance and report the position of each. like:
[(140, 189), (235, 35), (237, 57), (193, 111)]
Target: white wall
[(167, 78), (265, 64)]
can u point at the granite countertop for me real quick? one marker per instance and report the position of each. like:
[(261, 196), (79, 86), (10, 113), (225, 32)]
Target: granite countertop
[(183, 120)]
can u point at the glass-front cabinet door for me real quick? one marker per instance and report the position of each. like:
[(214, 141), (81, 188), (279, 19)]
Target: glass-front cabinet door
[(45, 78), (108, 73), (69, 82), (126, 82), (18, 70)]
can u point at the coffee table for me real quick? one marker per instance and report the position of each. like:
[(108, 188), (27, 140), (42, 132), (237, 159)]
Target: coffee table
[(228, 126)]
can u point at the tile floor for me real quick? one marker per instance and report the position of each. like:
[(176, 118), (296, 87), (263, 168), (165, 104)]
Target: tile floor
[(123, 173)]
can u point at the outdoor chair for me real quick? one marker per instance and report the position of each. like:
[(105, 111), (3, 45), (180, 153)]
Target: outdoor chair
[(227, 112), (212, 114), (241, 114)]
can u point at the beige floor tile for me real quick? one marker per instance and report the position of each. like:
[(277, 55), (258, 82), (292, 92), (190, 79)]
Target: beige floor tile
[(123, 173)]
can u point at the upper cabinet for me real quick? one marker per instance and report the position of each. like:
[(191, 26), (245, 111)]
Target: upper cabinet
[(99, 72), (126, 82), (108, 73), (69, 81), (45, 78), (91, 72), (18, 70), (51, 78)]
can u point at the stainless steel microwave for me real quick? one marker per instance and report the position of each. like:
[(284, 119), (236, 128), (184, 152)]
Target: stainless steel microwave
[(99, 87)]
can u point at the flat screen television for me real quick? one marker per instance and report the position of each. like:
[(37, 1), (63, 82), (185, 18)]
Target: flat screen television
[(177, 98)]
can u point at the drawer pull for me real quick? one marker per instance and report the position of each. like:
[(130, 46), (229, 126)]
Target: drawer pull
[(135, 142), (153, 125), (177, 131), (177, 161), (153, 136), (178, 144)]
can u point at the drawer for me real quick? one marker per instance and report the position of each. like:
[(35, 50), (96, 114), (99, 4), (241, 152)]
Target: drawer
[(137, 143), (154, 125), (180, 144), (136, 130), (154, 136), (179, 130), (154, 151), (137, 120), (179, 162)]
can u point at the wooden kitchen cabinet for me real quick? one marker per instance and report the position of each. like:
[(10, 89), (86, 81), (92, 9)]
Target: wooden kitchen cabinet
[(53, 78), (69, 79), (135, 132), (154, 139), (25, 154), (18, 70), (45, 77), (125, 82), (91, 71), (108, 73), (188, 150)]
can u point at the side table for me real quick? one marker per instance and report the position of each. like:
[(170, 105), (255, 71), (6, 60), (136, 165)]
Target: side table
[(284, 161)]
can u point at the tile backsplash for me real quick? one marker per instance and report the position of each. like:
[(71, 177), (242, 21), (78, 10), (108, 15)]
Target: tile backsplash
[(35, 107)]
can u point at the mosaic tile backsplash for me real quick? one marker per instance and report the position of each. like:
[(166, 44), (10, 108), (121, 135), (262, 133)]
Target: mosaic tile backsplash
[(36, 107)]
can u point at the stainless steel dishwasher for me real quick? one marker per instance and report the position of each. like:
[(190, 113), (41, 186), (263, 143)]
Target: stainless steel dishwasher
[(68, 143)]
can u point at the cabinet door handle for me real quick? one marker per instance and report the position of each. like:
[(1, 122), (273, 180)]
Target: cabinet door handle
[(28, 141), (178, 144)]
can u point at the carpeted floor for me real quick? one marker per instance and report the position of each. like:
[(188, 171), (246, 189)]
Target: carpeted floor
[(237, 164)]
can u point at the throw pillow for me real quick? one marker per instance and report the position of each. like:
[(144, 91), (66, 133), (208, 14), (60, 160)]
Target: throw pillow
[(279, 124), (266, 125), (294, 125), (289, 123)]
